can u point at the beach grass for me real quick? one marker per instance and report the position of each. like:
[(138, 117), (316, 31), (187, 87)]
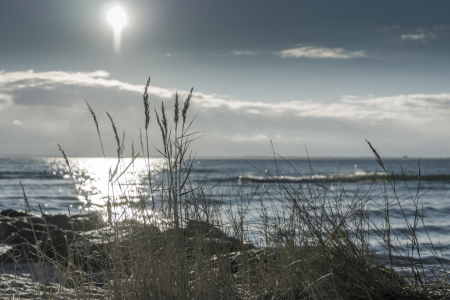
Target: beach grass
[(316, 242)]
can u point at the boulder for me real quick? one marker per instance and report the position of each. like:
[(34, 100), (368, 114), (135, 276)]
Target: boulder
[(93, 216), (21, 224), (201, 228), (21, 252), (13, 213), (78, 222), (4, 219), (34, 219), (26, 235), (7, 228), (53, 243), (83, 224), (251, 258), (58, 219), (90, 256), (216, 246), (390, 275), (57, 241)]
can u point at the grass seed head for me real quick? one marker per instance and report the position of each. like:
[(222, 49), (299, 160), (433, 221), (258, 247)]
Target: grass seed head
[(176, 110), (116, 135), (187, 102)]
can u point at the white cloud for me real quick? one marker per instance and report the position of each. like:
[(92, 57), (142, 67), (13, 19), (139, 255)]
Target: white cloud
[(420, 35), (14, 81), (246, 138), (320, 52), (416, 37), (51, 107), (418, 106), (236, 53), (245, 52), (411, 107)]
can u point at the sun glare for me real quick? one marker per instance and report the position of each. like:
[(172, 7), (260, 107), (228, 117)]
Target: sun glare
[(117, 17)]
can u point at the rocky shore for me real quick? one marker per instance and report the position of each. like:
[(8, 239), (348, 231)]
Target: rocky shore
[(40, 254), (34, 251)]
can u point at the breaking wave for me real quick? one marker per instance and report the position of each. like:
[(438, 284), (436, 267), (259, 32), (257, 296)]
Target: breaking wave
[(358, 177)]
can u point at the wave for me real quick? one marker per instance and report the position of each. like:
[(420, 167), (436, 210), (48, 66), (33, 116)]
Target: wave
[(358, 177)]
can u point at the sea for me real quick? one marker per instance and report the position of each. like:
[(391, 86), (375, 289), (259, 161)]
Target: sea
[(414, 192)]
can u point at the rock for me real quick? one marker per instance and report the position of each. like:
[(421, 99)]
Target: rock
[(78, 222), (83, 224), (34, 220), (90, 256), (21, 252), (215, 246), (53, 243), (57, 244), (93, 216), (251, 258), (58, 219), (26, 235), (6, 228), (173, 233), (16, 213), (197, 228), (20, 224), (391, 275), (4, 219), (42, 227)]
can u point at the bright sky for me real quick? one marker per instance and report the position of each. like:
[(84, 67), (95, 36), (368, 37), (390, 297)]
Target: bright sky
[(325, 73)]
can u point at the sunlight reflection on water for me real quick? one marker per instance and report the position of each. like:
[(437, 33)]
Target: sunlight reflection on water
[(123, 182), (97, 179)]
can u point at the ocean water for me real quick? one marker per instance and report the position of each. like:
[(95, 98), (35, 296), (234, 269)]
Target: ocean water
[(244, 185)]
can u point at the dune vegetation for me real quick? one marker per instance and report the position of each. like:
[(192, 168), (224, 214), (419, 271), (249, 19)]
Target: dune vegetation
[(316, 241)]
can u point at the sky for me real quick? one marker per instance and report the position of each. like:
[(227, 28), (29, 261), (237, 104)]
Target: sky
[(316, 75)]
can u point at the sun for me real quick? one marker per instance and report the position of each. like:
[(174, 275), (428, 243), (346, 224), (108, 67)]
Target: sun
[(117, 17)]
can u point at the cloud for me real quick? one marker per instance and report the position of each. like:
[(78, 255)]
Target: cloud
[(236, 53), (245, 52), (421, 35), (320, 52), (412, 107), (415, 37), (50, 107), (19, 84)]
